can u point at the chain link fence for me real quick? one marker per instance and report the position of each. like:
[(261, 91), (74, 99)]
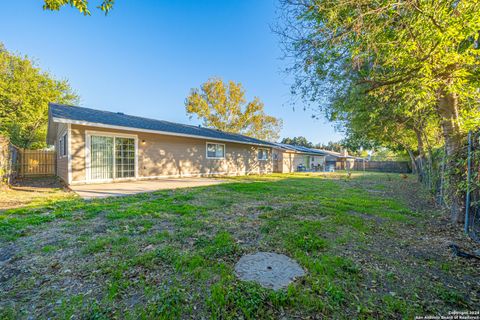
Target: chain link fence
[(472, 199), (431, 173)]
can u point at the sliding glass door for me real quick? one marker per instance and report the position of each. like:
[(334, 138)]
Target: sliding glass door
[(124, 158), (111, 157), (101, 163)]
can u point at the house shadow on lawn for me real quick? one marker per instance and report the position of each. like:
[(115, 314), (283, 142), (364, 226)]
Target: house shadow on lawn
[(29, 192), (37, 184)]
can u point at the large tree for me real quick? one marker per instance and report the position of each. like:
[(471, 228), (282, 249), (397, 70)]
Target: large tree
[(394, 123), (421, 53), (224, 106), (25, 92), (298, 141), (81, 5), (332, 146)]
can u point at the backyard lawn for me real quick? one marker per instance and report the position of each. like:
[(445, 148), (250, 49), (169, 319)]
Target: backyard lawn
[(372, 246)]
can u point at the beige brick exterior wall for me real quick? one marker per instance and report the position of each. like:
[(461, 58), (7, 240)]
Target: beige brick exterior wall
[(287, 162), (62, 161), (173, 156)]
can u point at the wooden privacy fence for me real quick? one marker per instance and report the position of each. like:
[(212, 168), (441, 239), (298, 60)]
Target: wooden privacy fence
[(383, 166), (36, 163)]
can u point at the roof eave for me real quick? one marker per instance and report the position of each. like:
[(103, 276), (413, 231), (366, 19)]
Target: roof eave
[(300, 152), (51, 129), (102, 125)]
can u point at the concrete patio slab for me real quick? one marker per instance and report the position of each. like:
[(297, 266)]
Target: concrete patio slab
[(90, 191)]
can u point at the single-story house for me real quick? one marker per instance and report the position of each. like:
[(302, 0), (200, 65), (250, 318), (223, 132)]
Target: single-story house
[(96, 146), (338, 160), (289, 158)]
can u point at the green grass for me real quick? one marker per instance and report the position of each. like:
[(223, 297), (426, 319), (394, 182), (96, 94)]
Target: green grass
[(171, 254)]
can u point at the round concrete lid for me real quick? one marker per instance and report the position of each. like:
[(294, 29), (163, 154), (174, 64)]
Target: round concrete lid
[(269, 269)]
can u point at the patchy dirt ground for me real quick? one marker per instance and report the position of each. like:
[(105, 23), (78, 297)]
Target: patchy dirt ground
[(372, 246), (29, 191)]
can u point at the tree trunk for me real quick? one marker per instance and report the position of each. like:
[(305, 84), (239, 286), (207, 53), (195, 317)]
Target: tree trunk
[(4, 162), (447, 109), (421, 155), (414, 163)]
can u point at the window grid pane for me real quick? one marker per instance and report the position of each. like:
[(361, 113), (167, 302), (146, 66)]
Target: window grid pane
[(101, 158), (220, 151), (125, 157), (65, 141), (262, 154), (215, 150)]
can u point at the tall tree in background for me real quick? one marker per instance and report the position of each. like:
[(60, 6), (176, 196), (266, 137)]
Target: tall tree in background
[(298, 141), (332, 146), (421, 54), (25, 92), (80, 5), (224, 107)]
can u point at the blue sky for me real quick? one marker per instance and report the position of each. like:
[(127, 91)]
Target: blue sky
[(145, 56)]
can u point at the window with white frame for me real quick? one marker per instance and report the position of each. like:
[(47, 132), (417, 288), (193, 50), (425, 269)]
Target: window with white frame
[(64, 145), (215, 150), (124, 157), (59, 146), (262, 154)]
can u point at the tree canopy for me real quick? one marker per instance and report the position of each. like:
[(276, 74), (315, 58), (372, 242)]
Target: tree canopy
[(81, 5), (419, 56), (298, 141), (398, 74), (331, 145), (223, 106), (25, 92)]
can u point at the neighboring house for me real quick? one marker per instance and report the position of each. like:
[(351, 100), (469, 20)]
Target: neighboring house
[(99, 146), (338, 161), (289, 158)]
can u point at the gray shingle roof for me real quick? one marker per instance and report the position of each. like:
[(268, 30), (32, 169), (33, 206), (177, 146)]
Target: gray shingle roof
[(123, 120), (301, 149), (321, 152)]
